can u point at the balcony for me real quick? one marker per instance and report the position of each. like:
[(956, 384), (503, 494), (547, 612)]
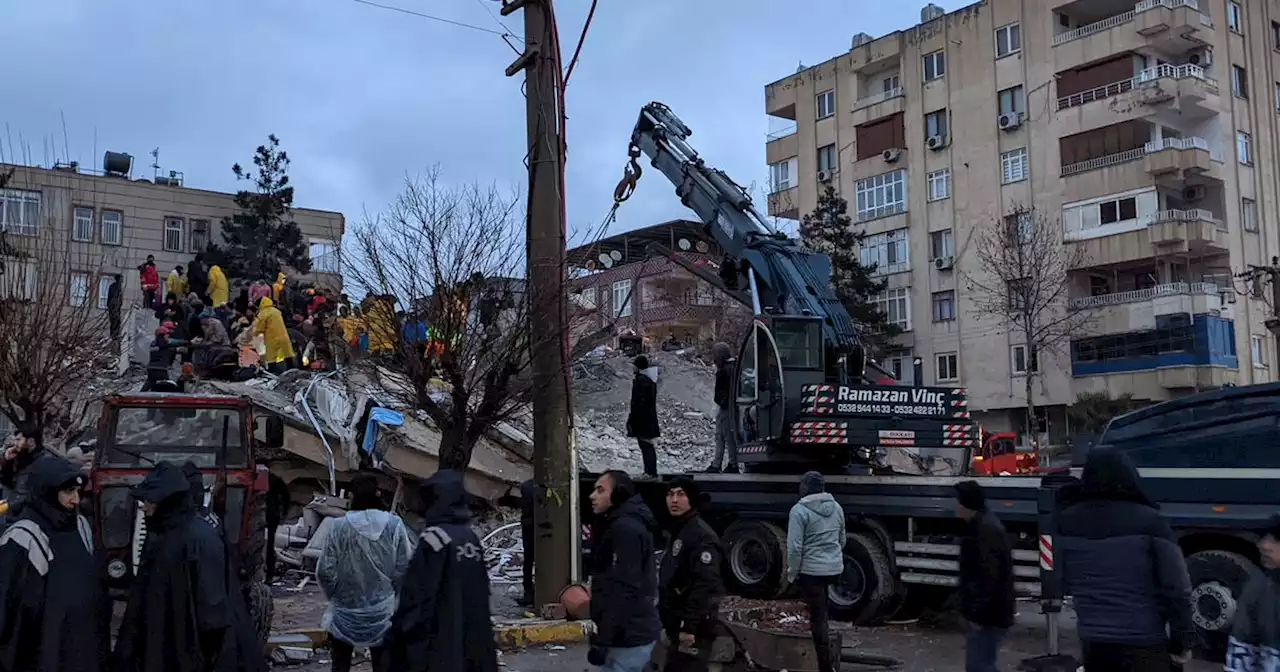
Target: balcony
[(1191, 231), (785, 203), (1148, 93), (1164, 232), (1137, 310), (879, 105), (781, 145), (1165, 25), (1180, 158)]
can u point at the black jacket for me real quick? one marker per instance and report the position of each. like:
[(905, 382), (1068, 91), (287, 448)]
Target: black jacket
[(642, 422), (986, 573), (197, 278), (528, 494), (623, 585), (690, 584), (724, 384), (278, 499), (442, 623)]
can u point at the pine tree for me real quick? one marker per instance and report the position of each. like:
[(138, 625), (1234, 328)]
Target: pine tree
[(262, 239), (829, 229)]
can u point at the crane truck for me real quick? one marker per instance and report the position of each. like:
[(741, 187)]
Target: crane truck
[(805, 399)]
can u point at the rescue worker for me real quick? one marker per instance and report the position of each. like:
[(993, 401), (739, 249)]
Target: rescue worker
[(270, 323), (381, 320), (277, 289), (219, 289), (622, 578), (986, 578), (176, 283), (442, 622), (642, 421), (815, 557), (1254, 645), (53, 609), (726, 437), (177, 612), (690, 586)]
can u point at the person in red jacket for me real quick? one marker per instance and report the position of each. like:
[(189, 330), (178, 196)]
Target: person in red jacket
[(149, 278)]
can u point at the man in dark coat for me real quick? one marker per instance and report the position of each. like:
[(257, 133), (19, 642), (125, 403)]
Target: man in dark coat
[(178, 611), (622, 579), (642, 422), (115, 301), (528, 495), (1121, 563), (726, 435), (23, 452), (53, 610), (198, 277), (442, 623), (690, 588), (986, 578), (278, 502)]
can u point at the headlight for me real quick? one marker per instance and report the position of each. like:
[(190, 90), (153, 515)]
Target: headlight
[(117, 569)]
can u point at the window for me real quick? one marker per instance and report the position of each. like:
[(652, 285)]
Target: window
[(896, 305), (586, 299), (1239, 82), (1249, 214), (939, 182), (1011, 100), (199, 235), (1022, 364), (1277, 97), (780, 175), (1275, 34), (891, 85), (944, 306), (1244, 147), (886, 252), (935, 123), (1019, 294), (940, 244), (325, 256), (881, 195), (20, 212), (1235, 16), (622, 298), (172, 234), (935, 65), (112, 227), (826, 104), (82, 224), (104, 288), (18, 280), (78, 294), (1013, 166), (948, 367), (1258, 347), (1008, 40), (827, 159), (1120, 210), (1019, 228), (902, 366)]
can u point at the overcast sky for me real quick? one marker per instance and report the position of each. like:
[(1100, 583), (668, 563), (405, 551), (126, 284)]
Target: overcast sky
[(360, 96)]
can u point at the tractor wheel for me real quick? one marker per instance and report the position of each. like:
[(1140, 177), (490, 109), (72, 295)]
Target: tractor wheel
[(253, 567), (261, 610)]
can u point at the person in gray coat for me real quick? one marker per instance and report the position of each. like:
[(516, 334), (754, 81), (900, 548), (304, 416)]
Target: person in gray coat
[(815, 557)]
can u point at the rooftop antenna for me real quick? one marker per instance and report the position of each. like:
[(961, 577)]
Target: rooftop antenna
[(155, 163), (66, 143)]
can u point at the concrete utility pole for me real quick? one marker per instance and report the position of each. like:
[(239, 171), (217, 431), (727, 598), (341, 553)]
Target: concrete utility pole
[(554, 462), (1272, 273)]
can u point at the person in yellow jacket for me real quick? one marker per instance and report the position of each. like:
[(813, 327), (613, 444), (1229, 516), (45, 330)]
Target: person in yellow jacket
[(270, 323), (278, 289), (381, 323), (176, 283), (219, 290)]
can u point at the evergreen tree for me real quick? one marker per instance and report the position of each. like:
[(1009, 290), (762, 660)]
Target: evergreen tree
[(830, 230), (262, 239)]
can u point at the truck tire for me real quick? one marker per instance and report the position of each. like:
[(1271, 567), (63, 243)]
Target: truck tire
[(867, 584), (756, 559), (1217, 580), (261, 610), (253, 567)]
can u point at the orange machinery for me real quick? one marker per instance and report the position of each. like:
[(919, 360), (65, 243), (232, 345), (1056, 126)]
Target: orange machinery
[(999, 455)]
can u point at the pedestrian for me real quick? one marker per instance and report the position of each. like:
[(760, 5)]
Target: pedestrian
[(177, 613), (528, 497), (690, 586), (22, 453), (361, 565), (53, 610), (815, 557), (278, 502), (623, 586), (726, 434), (197, 277), (115, 301), (986, 578), (149, 278), (642, 421), (443, 623), (176, 283), (1254, 645), (1122, 565)]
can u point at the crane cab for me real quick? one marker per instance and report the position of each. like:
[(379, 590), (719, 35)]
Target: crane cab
[(779, 356)]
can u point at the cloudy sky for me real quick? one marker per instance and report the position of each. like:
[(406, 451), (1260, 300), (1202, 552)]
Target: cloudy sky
[(360, 96)]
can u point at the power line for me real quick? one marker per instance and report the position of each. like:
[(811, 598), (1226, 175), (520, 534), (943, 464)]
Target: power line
[(489, 10), (459, 24)]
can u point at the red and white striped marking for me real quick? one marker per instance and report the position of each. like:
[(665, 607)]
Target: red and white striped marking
[(957, 442), (818, 425), (949, 432), (1046, 552), (809, 438), (819, 388)]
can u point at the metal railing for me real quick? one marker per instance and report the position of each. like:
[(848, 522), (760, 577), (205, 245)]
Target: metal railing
[(877, 98), (1162, 71), (1192, 215), (1135, 154), (1138, 295), (880, 211), (1193, 142), (779, 134), (1126, 17), (1127, 226)]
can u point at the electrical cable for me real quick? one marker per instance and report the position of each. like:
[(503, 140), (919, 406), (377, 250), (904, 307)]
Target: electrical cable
[(421, 15), (582, 38)]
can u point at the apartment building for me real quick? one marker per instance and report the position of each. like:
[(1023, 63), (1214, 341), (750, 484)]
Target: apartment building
[(1149, 130), (105, 223)]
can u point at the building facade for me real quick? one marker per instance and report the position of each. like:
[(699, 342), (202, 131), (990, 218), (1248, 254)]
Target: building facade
[(1148, 131)]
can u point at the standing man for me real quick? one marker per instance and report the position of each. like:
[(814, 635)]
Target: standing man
[(690, 586), (726, 433), (986, 578), (278, 502), (115, 300), (176, 283), (528, 495), (197, 277), (22, 453), (815, 557), (642, 422), (622, 577), (1255, 635), (149, 278)]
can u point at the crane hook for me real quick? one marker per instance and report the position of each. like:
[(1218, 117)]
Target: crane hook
[(630, 176)]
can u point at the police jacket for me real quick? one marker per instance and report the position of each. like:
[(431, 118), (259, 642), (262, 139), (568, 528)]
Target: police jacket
[(690, 582)]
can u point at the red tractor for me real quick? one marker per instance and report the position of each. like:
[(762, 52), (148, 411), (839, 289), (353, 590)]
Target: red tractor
[(137, 431)]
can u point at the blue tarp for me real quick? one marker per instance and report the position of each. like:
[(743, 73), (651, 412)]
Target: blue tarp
[(379, 417)]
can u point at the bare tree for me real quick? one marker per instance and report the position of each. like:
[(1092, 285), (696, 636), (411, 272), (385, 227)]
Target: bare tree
[(1021, 280)]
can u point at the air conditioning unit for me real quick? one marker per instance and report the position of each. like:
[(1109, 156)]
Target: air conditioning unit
[(1202, 58), (936, 142), (1009, 121), (944, 263), (824, 176), (1194, 192), (892, 155)]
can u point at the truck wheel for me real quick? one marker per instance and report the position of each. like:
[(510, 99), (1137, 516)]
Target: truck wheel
[(253, 542), (261, 610), (756, 557), (866, 585), (1217, 580)]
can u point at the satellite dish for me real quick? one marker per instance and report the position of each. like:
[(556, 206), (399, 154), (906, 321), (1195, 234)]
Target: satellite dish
[(683, 244), (702, 246), (606, 261), (617, 256)]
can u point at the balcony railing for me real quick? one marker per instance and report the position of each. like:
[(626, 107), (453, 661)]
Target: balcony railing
[(1135, 154), (782, 133), (1121, 19), (1161, 71), (877, 98), (1193, 215), (1139, 295), (1193, 142)]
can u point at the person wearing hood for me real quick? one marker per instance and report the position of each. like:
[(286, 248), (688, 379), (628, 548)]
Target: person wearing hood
[(219, 289), (270, 323), (176, 283), (986, 578), (1121, 563), (197, 277), (178, 612), (53, 609), (690, 588), (361, 565), (149, 278), (1254, 644), (815, 557), (277, 289), (622, 578), (642, 421), (726, 436), (115, 302), (442, 623)]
